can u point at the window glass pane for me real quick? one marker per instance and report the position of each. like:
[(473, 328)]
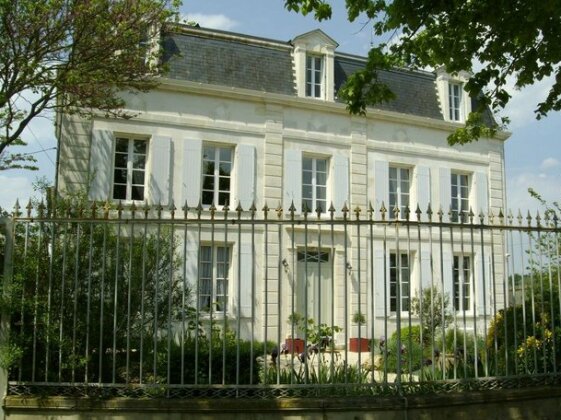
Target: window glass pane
[(139, 161), (307, 164), (208, 168), (208, 183), (321, 178), (120, 160), (120, 176), (307, 191), (307, 205), (208, 153), (321, 193), (225, 154), (137, 192), (307, 177), (225, 168), (393, 186), (207, 198), (122, 145), (139, 146), (138, 177), (223, 198), (321, 165), (224, 183), (119, 192), (317, 91)]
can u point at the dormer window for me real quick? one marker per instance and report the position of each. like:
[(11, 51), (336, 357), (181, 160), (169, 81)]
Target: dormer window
[(455, 104), (314, 65), (314, 76), (455, 101)]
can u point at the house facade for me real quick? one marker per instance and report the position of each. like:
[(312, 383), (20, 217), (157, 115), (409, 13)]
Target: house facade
[(241, 120)]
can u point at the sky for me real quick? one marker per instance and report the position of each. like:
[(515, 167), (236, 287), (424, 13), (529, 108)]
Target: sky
[(532, 153)]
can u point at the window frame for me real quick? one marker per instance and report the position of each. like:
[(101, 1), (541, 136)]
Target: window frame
[(394, 280), (455, 100), (314, 183), (216, 177), (459, 204), (311, 74), (130, 168), (399, 195), (461, 267), (213, 296)]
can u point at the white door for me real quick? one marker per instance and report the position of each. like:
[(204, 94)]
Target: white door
[(314, 289)]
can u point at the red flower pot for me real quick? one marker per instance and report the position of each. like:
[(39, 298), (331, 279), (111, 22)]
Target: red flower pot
[(294, 344), (358, 345)]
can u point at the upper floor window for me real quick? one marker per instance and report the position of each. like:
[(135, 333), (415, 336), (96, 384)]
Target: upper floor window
[(314, 76), (129, 172), (399, 277), (214, 278), (455, 101), (217, 170), (314, 184), (399, 185), (460, 197), (462, 282)]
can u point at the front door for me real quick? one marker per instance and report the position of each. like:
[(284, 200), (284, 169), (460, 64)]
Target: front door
[(314, 292)]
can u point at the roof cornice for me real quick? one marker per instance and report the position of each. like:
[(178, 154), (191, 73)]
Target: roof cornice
[(309, 104)]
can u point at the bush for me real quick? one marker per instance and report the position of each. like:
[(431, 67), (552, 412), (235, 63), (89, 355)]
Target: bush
[(410, 351)]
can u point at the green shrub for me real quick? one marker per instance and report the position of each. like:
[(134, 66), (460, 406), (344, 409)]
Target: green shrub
[(410, 350)]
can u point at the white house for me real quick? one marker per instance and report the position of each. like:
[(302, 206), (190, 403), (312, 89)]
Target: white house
[(242, 119)]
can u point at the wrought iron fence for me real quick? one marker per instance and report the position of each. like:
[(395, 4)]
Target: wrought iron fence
[(227, 303)]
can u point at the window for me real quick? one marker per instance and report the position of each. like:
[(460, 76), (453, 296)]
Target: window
[(399, 275), (460, 197), (129, 172), (454, 101), (217, 169), (314, 76), (314, 184), (213, 278), (399, 190), (462, 283)]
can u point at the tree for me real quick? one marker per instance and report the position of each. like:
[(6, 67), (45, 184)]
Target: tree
[(73, 56), (495, 41)]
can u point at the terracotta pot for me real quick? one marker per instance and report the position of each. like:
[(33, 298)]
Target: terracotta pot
[(357, 345), (295, 343)]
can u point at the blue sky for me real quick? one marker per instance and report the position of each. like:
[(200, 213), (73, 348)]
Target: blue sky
[(533, 153)]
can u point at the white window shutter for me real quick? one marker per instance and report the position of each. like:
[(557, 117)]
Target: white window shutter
[(245, 271), (426, 269), (482, 282), (192, 152), (381, 184), (192, 261), (101, 165), (481, 188), (340, 183), (448, 278), (445, 191), (380, 281), (423, 190), (245, 163), (160, 170), (292, 179)]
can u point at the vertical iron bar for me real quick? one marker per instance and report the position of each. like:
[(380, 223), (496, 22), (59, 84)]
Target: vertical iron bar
[(142, 292), (88, 302), (75, 295), (171, 290), (62, 300), (454, 309), (115, 300), (101, 304), (483, 285), (130, 270), (49, 299)]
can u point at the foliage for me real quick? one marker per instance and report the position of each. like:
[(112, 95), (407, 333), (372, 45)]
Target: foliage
[(359, 318), (526, 338), (321, 334), (73, 56), (520, 43), (86, 295), (407, 349), (432, 309)]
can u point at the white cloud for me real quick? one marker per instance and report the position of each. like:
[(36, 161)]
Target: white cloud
[(549, 163), (523, 102), (17, 187), (547, 185), (218, 21)]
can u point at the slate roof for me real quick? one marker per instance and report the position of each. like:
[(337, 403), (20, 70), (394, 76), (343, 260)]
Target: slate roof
[(242, 61)]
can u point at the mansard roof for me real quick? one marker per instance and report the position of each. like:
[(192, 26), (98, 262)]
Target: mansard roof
[(241, 61)]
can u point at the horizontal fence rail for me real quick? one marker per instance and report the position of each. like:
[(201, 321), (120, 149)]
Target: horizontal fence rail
[(205, 302)]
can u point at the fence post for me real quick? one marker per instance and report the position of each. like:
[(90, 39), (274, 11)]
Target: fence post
[(6, 225)]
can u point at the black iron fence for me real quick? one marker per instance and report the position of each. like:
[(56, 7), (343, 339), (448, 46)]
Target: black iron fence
[(270, 303)]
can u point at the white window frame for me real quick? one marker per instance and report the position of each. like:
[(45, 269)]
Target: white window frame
[(130, 168), (405, 272), (455, 101), (209, 300), (402, 198), (315, 184), (314, 77), (216, 176), (460, 203), (462, 283)]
